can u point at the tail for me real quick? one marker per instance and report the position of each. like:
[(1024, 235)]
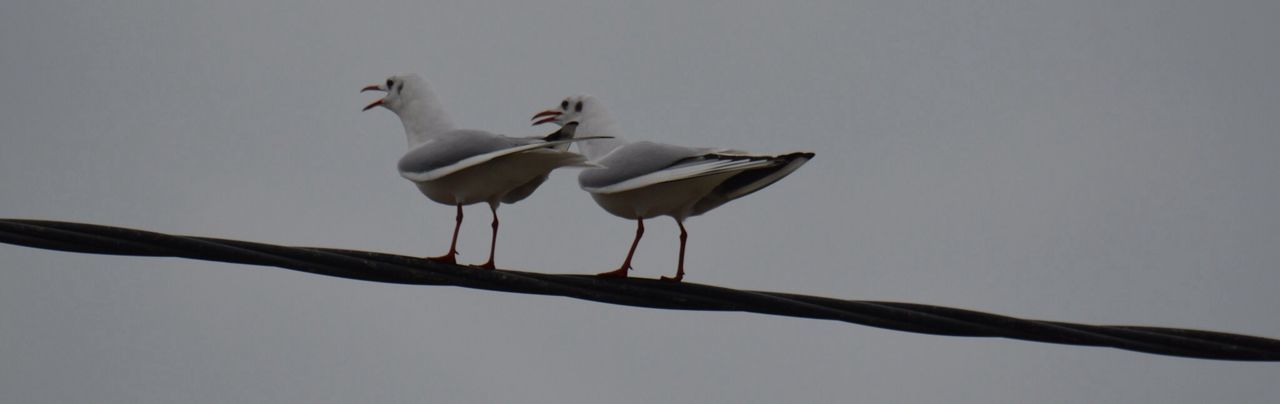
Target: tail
[(750, 181), (566, 132)]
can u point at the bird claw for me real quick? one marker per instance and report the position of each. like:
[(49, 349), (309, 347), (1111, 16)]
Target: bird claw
[(450, 258), (617, 273)]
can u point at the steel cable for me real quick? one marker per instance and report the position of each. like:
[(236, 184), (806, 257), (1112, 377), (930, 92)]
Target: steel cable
[(389, 268)]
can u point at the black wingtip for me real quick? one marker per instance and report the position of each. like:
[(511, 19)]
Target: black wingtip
[(565, 132), (807, 155)]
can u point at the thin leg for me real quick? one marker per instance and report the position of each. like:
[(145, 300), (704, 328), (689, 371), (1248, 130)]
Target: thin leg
[(493, 242), (452, 256), (684, 235), (621, 272)]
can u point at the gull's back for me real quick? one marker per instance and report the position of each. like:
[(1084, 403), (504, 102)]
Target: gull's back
[(633, 160), (451, 147)]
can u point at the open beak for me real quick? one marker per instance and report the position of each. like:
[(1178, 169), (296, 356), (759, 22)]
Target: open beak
[(373, 87), (550, 116)]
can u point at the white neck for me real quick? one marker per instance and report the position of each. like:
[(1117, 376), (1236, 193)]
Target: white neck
[(423, 115), (597, 122)]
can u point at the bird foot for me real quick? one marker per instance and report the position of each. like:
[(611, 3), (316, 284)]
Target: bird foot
[(677, 278), (450, 258), (617, 273), (487, 265)]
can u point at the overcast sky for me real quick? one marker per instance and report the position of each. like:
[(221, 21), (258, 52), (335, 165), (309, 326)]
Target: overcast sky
[(1090, 161)]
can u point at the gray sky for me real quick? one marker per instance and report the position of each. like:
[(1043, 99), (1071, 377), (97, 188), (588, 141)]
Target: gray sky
[(1091, 161)]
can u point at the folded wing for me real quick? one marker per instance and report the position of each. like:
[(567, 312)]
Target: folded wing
[(685, 169), (467, 148)]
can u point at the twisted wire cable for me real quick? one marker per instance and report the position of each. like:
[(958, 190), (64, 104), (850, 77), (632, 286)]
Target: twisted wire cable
[(389, 268)]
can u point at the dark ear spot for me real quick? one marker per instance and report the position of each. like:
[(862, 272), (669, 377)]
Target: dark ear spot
[(400, 87), (578, 108), (564, 105)]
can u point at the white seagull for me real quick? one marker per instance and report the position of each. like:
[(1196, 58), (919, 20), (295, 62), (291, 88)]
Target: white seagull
[(643, 180), (466, 166)]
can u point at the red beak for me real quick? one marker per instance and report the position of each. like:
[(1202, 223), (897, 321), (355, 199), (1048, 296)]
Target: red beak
[(372, 87), (550, 115)]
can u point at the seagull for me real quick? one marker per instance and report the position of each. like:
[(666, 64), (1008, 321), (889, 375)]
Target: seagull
[(466, 166), (643, 180)]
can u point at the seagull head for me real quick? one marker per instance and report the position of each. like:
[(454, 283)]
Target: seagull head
[(400, 90), (572, 108)]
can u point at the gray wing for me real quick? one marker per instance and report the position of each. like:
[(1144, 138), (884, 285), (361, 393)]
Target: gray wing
[(459, 150), (634, 160), (452, 147)]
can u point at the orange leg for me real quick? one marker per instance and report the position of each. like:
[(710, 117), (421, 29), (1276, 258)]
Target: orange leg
[(679, 267), (452, 256), (493, 242), (621, 272)]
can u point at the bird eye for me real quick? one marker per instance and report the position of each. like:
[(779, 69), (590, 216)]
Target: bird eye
[(578, 108), (564, 105), (390, 83)]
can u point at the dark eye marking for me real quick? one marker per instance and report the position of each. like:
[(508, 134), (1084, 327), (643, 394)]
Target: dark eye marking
[(578, 108), (390, 83), (564, 104)]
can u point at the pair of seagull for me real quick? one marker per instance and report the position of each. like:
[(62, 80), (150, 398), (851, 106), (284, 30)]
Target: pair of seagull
[(632, 180)]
